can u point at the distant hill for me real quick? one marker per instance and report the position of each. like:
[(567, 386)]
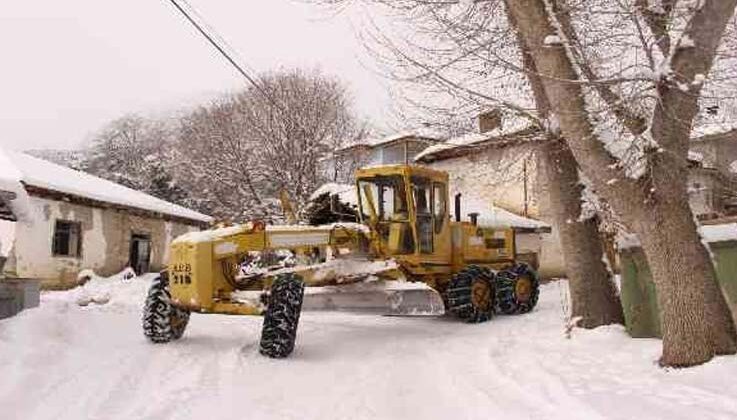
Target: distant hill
[(69, 158)]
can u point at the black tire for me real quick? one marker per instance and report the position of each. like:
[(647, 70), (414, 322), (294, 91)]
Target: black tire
[(470, 294), (162, 322), (517, 289), (179, 320), (281, 319)]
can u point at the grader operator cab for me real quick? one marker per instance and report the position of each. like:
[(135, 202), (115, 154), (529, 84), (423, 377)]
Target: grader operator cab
[(406, 255)]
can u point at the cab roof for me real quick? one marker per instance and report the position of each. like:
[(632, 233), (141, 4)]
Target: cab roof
[(399, 169)]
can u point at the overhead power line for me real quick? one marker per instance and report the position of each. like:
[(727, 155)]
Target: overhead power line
[(211, 39)]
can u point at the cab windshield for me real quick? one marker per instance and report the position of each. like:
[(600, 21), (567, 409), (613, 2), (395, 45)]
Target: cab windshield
[(384, 197), (384, 203)]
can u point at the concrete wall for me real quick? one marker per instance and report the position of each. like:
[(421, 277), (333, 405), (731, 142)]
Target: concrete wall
[(718, 150), (494, 175), (704, 189), (105, 241), (497, 175), (7, 236)]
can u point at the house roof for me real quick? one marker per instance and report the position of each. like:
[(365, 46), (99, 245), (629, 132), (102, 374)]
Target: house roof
[(394, 138), (19, 168), (472, 142), (492, 216)]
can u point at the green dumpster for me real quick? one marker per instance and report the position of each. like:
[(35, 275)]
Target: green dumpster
[(639, 302)]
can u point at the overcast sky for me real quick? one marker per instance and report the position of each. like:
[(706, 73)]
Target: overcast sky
[(69, 66)]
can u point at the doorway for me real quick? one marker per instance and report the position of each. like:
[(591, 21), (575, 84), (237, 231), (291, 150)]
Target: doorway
[(140, 253)]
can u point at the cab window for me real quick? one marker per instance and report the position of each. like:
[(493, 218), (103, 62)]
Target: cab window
[(384, 199), (384, 195), (422, 194), (440, 206)]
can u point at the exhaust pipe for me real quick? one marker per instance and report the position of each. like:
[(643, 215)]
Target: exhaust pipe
[(458, 207), (474, 218)]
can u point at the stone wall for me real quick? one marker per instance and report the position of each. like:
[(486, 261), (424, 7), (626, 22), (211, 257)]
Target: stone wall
[(106, 236)]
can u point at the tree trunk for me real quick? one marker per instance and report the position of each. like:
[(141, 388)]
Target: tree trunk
[(689, 298), (696, 323), (594, 297)]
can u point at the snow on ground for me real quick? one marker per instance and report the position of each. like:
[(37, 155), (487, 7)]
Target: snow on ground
[(63, 361)]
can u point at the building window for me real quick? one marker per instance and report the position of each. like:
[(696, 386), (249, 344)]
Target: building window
[(67, 239)]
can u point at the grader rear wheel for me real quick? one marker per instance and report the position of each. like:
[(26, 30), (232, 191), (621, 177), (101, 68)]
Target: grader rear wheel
[(517, 289), (470, 294), (279, 331)]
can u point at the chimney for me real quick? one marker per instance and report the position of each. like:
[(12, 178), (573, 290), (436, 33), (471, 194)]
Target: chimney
[(490, 120)]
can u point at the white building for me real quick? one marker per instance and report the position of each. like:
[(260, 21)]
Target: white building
[(395, 149), (55, 222)]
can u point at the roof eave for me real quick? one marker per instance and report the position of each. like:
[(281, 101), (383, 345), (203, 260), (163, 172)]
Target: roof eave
[(44, 192)]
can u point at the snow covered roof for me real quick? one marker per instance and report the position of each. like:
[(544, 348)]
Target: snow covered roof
[(468, 142), (346, 192), (491, 216), (19, 167), (419, 135)]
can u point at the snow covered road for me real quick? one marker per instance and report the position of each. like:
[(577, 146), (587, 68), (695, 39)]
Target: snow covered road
[(63, 361)]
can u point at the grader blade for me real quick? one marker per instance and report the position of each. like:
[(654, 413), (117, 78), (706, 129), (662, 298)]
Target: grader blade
[(397, 298)]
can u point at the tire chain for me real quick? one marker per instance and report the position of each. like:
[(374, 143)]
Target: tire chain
[(458, 294), (281, 320)]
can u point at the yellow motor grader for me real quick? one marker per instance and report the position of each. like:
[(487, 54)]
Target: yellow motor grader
[(406, 255)]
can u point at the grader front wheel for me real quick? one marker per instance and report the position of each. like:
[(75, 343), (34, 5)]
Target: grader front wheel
[(470, 294), (279, 331), (162, 321)]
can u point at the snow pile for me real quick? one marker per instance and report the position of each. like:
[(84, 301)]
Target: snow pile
[(122, 290), (346, 192), (212, 234), (345, 268), (47, 175), (356, 227), (221, 233)]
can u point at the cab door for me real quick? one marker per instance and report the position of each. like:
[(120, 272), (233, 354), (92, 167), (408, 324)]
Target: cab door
[(432, 228)]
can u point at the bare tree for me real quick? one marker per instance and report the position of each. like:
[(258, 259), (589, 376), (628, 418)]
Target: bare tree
[(217, 160), (136, 152), (242, 151)]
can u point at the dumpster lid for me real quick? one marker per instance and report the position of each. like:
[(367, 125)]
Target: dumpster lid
[(712, 232)]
